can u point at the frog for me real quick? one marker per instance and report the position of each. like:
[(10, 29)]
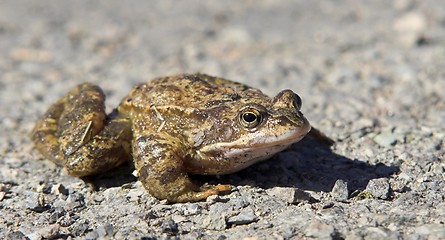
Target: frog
[(171, 128)]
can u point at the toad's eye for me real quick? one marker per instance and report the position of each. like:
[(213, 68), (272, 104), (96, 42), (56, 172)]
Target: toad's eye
[(250, 118), (297, 102)]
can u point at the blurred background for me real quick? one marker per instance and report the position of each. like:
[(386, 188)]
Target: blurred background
[(371, 75), (372, 51)]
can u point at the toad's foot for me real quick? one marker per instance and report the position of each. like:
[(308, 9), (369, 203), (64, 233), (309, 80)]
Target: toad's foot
[(206, 192), (214, 190)]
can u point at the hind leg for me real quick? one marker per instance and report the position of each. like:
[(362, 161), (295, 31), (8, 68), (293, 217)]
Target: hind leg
[(76, 133)]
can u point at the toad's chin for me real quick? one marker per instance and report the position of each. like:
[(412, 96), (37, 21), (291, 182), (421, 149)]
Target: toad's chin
[(244, 157), (257, 149)]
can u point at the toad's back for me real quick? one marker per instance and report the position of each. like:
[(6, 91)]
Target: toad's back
[(191, 91)]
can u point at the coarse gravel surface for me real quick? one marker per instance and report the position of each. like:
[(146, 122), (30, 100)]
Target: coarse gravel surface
[(371, 75)]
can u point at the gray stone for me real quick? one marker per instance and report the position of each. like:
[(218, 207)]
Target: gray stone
[(379, 188), (288, 232), (74, 200), (217, 208), (36, 202), (410, 27), (386, 139), (47, 232), (92, 235), (431, 231), (111, 193), (59, 189), (16, 235), (169, 226), (239, 203), (340, 191), (214, 222), (289, 195), (135, 194), (105, 230), (320, 230), (2, 195), (246, 216), (373, 233), (98, 197), (192, 209)]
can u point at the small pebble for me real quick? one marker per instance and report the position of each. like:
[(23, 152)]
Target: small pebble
[(340, 190), (92, 235), (169, 226), (192, 209), (379, 188), (106, 230), (320, 230), (98, 197), (373, 233), (17, 235), (47, 232), (2, 195), (59, 189), (289, 195), (434, 231), (410, 28), (36, 203), (386, 139), (214, 222), (246, 216), (74, 201), (134, 195)]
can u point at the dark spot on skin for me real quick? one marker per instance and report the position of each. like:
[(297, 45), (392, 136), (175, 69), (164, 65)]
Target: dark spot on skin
[(129, 99), (235, 96), (188, 158), (230, 98), (143, 172), (215, 102), (170, 175), (141, 139), (170, 169), (201, 114), (198, 78)]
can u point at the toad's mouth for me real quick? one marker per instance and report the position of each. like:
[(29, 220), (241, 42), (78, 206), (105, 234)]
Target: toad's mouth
[(241, 154), (257, 142)]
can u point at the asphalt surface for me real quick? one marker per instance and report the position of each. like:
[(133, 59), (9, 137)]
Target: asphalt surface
[(371, 75)]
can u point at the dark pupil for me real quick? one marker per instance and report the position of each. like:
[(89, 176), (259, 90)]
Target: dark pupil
[(249, 117)]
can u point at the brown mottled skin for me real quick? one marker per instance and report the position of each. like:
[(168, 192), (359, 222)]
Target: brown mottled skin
[(171, 127)]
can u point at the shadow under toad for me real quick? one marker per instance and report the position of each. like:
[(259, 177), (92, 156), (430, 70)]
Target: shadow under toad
[(308, 165), (117, 177)]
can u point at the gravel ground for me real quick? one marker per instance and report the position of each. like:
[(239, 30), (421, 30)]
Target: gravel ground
[(371, 75)]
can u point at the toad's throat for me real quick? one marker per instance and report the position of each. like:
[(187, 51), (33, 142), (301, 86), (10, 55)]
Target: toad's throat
[(257, 142), (239, 156)]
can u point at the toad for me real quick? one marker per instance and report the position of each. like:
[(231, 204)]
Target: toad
[(171, 127)]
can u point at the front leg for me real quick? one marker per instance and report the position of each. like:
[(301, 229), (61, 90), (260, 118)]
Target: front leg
[(158, 160), (76, 133)]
